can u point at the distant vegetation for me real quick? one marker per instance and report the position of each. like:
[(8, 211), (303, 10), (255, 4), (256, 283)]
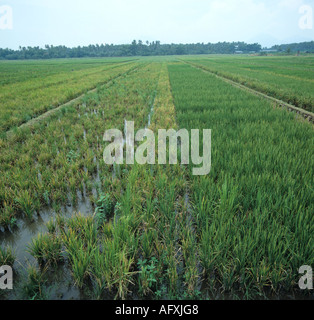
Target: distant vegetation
[(295, 47), (136, 48), (140, 48)]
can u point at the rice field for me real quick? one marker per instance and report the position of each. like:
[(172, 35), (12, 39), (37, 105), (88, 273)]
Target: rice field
[(286, 78), (26, 94), (73, 227)]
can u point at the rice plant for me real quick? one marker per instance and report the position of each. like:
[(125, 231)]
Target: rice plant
[(46, 248), (7, 257), (34, 287)]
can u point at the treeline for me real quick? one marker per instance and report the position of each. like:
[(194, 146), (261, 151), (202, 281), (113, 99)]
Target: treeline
[(136, 48), (140, 48), (295, 47)]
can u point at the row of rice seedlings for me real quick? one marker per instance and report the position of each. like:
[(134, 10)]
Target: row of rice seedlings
[(150, 187), (169, 254), (253, 212), (22, 101), (296, 87), (156, 196)]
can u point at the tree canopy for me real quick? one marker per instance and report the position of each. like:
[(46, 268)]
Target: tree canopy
[(140, 48)]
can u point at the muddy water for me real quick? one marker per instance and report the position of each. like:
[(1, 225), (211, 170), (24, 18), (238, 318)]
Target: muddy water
[(60, 279)]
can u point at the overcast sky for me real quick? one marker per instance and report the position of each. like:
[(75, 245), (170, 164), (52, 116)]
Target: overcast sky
[(84, 22)]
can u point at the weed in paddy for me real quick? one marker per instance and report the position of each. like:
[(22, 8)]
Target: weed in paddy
[(147, 275), (104, 208), (72, 156)]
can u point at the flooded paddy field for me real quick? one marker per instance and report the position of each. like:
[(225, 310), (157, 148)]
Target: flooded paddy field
[(74, 227)]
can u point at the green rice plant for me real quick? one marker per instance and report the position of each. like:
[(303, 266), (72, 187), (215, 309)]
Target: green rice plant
[(191, 272), (80, 262), (34, 287), (46, 248), (7, 256), (99, 272), (261, 274), (80, 241), (51, 226), (24, 203), (229, 278), (60, 221), (111, 268), (82, 227), (7, 216), (149, 239), (172, 275), (122, 276), (73, 189)]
